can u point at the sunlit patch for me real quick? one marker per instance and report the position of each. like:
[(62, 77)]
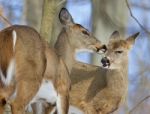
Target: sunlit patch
[(14, 35), (84, 50)]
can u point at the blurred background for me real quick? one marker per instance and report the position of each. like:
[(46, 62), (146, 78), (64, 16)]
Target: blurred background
[(101, 17)]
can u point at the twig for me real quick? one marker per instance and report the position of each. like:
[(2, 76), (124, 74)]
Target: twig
[(136, 18), (61, 2), (130, 112), (144, 7), (5, 19)]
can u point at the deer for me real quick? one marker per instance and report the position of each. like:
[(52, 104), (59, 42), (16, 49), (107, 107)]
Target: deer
[(105, 91), (72, 38), (54, 84), (22, 60)]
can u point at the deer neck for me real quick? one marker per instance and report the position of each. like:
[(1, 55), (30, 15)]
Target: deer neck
[(64, 50), (124, 67), (119, 75)]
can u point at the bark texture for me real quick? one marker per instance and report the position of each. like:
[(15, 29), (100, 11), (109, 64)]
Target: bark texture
[(50, 9), (33, 13)]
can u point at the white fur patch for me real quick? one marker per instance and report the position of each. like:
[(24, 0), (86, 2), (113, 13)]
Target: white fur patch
[(59, 105), (14, 35), (10, 73), (101, 51), (13, 96), (2, 76), (75, 110), (46, 93)]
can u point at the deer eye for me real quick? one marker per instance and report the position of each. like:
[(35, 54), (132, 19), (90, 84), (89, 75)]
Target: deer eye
[(118, 52), (85, 32)]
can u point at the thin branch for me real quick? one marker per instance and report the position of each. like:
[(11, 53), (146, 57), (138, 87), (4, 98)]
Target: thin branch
[(61, 2), (5, 19), (130, 112), (142, 6), (136, 18)]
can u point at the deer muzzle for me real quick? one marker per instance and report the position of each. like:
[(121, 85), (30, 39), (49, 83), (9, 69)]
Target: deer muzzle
[(105, 61)]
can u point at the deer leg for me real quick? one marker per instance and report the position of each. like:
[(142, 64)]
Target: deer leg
[(62, 104), (88, 108), (25, 93), (38, 108), (50, 109), (28, 77)]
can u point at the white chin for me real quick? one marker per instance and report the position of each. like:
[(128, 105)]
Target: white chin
[(107, 67)]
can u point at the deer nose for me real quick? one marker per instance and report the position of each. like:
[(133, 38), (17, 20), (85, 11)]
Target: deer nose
[(105, 61)]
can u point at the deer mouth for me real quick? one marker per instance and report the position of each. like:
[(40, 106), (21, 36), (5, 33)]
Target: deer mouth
[(101, 49)]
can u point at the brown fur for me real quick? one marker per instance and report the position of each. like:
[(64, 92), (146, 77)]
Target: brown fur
[(57, 72), (30, 64), (71, 39), (31, 54), (98, 90), (6, 48)]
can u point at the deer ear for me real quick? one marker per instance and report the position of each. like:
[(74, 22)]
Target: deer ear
[(115, 35), (65, 17), (131, 39)]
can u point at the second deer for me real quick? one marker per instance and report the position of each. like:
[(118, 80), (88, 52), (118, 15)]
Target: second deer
[(72, 38), (103, 90)]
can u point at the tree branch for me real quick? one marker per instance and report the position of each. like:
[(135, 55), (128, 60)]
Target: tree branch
[(130, 112), (61, 2), (4, 18), (142, 6), (131, 14)]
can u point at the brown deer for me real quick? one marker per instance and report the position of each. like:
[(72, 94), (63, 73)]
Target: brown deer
[(22, 60), (72, 38), (53, 87), (102, 90)]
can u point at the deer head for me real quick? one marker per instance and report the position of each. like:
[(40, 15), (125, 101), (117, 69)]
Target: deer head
[(118, 50), (78, 36)]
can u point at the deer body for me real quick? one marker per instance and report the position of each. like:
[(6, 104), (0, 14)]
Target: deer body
[(93, 96), (29, 56), (72, 38), (21, 61), (21, 90)]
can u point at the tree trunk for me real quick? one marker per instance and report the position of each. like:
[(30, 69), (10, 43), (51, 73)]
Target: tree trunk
[(50, 9), (33, 13)]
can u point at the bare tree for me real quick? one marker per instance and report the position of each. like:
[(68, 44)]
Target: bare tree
[(33, 13), (50, 9)]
